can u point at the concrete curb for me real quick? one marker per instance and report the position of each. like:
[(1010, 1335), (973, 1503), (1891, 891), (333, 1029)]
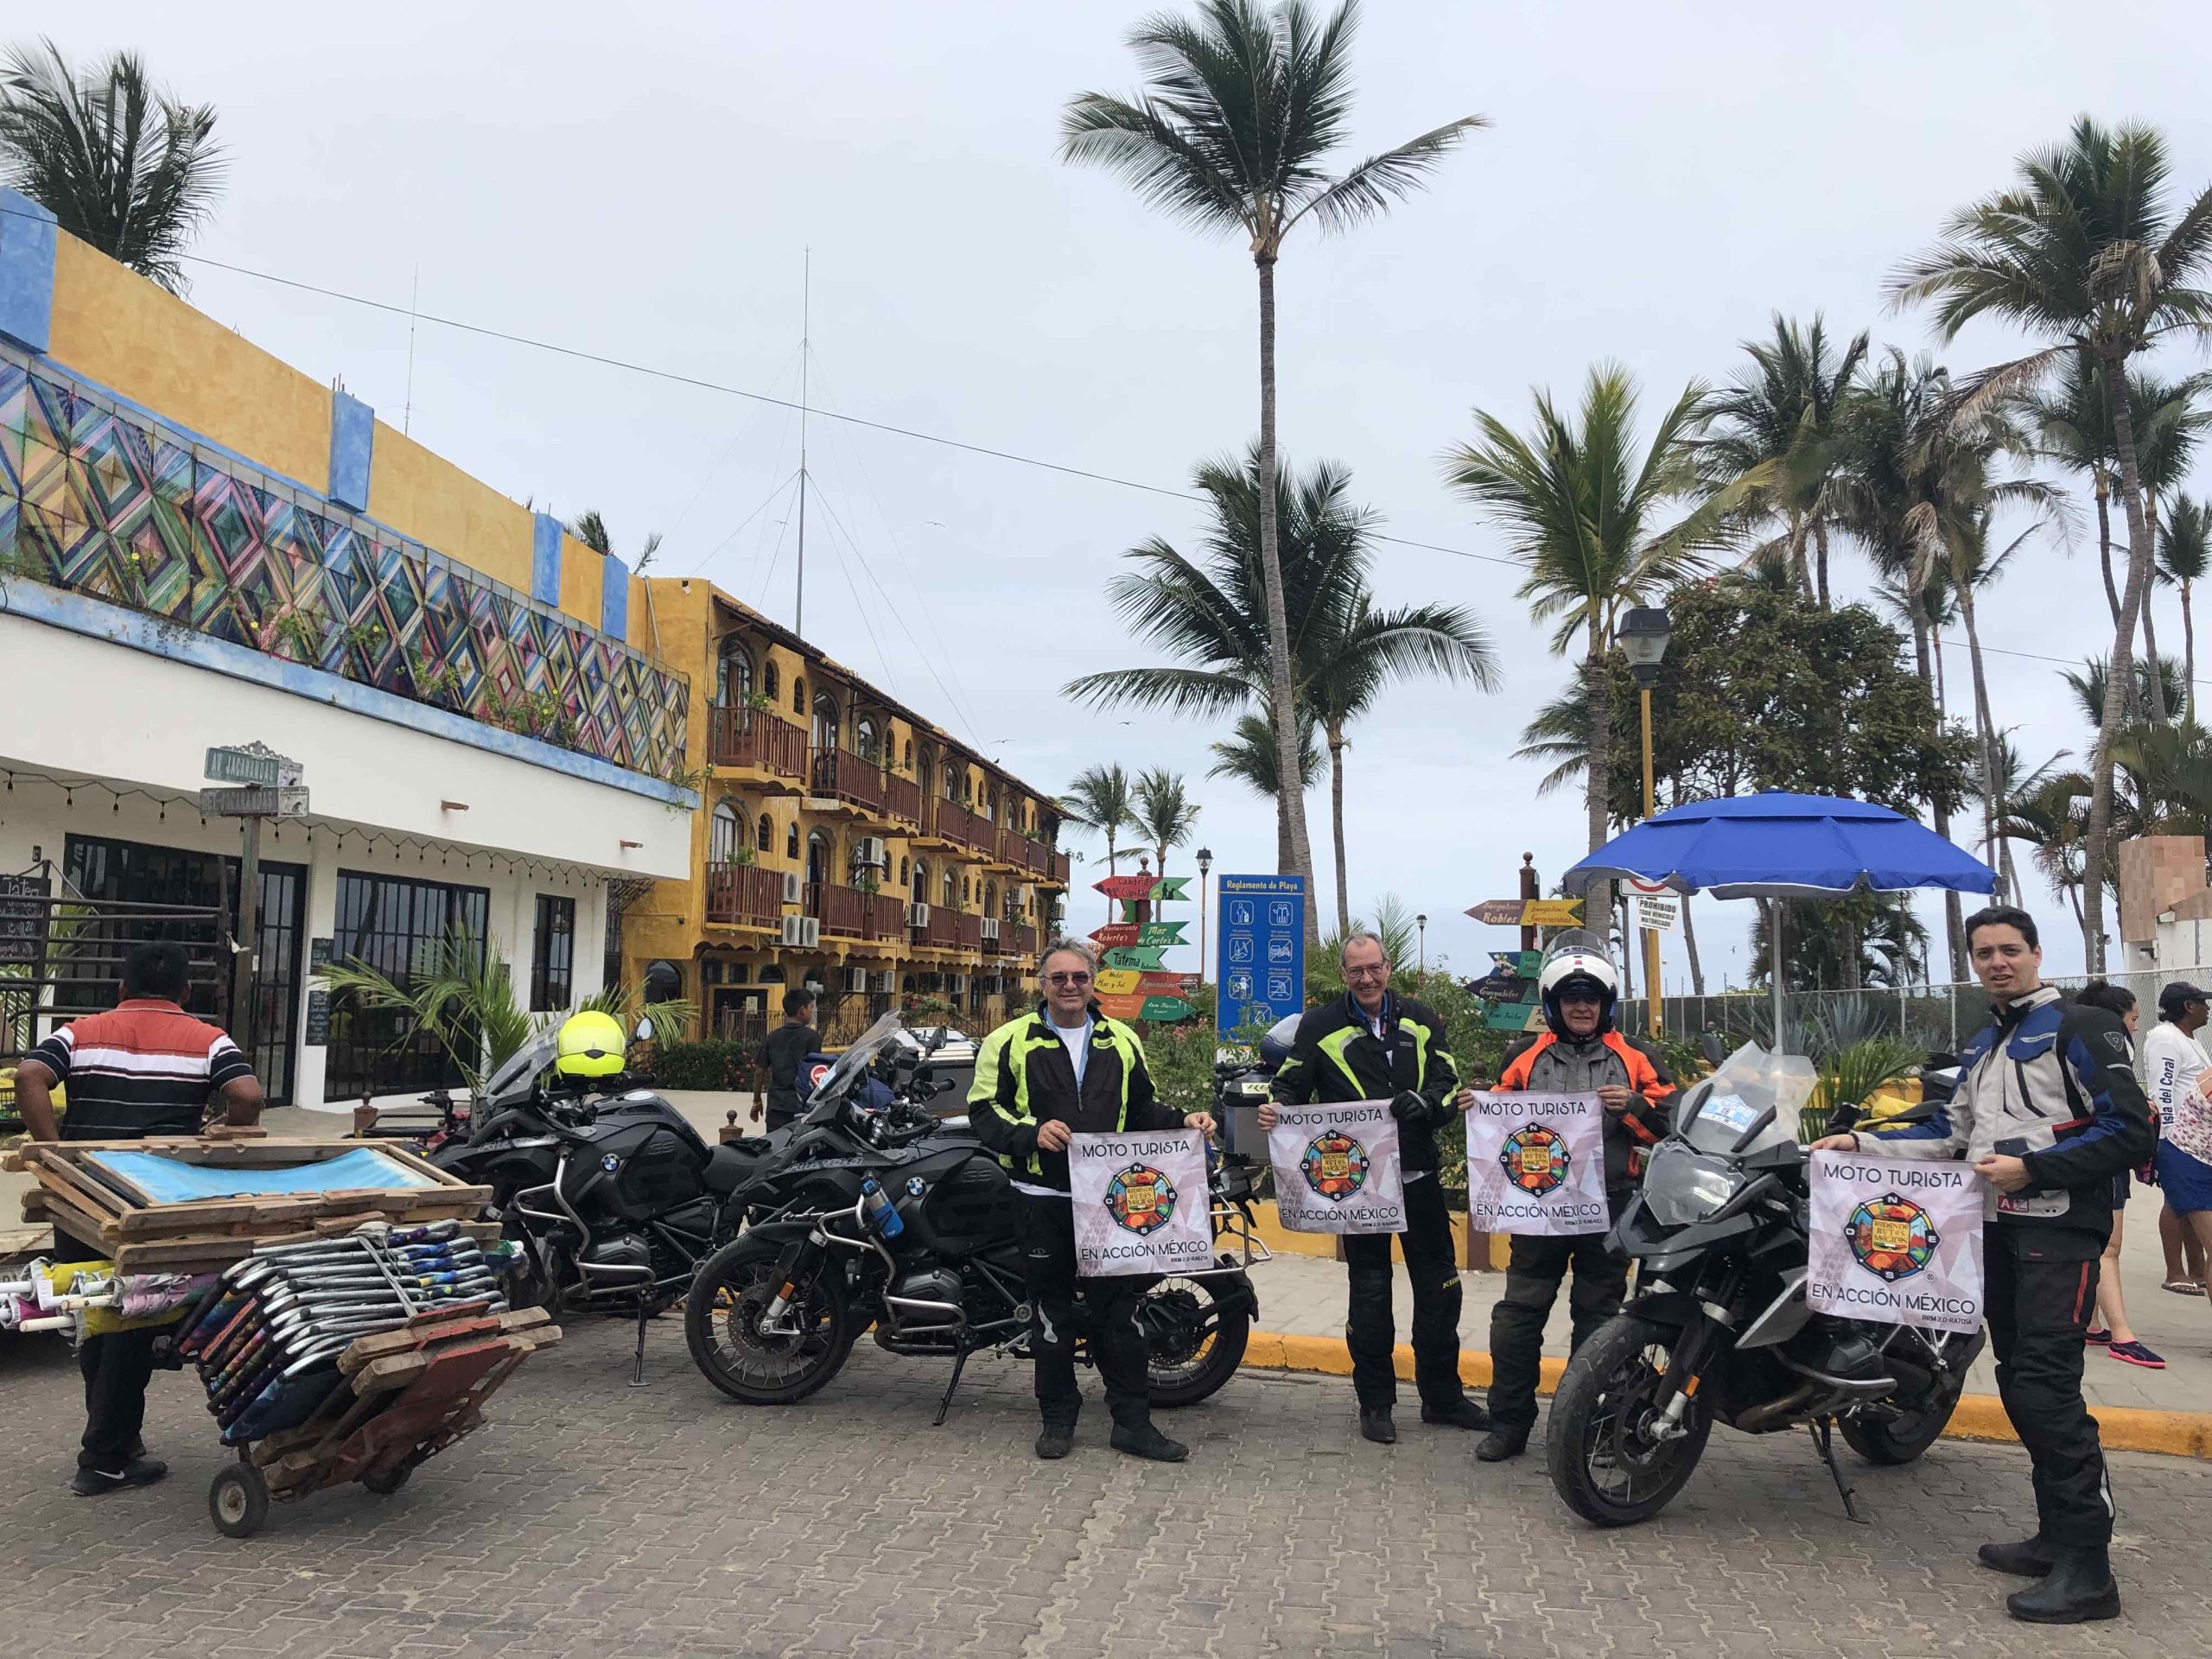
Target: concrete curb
[(1978, 1416)]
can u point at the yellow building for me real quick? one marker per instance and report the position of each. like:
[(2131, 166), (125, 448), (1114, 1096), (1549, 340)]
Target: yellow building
[(843, 840)]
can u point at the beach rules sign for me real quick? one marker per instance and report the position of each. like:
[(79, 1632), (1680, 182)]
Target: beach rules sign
[(1336, 1168), (1140, 1201), (1536, 1164), (1896, 1240)]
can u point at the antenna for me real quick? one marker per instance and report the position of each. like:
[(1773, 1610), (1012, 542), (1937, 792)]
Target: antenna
[(806, 317), (414, 297)]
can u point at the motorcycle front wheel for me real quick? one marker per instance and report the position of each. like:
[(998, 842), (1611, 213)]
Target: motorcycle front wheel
[(1607, 1463), (1191, 1345), (722, 1323)]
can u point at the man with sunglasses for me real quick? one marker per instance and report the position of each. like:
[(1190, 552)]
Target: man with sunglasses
[(1371, 1044), (1065, 1070)]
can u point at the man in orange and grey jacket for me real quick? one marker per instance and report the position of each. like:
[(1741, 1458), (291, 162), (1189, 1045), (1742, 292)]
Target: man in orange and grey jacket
[(1580, 1054)]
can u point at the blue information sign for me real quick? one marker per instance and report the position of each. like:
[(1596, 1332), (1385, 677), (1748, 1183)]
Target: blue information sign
[(1262, 966)]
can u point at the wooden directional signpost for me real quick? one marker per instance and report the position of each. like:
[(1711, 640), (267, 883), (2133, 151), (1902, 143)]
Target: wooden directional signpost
[(1510, 990), (1131, 984), (1527, 912)]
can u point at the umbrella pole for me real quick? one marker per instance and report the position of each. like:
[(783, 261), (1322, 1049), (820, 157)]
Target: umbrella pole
[(1773, 965)]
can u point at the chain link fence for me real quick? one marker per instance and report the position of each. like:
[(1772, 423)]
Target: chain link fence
[(1937, 1018)]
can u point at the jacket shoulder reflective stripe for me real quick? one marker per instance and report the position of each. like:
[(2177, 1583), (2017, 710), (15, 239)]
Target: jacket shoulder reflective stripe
[(1333, 1045)]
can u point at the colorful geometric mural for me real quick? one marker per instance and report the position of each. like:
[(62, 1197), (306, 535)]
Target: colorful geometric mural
[(120, 508)]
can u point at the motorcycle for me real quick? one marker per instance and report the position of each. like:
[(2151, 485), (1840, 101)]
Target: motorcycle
[(1718, 1328), (612, 1201), (863, 1215)]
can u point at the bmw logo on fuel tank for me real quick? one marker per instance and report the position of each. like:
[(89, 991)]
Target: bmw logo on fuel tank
[(611, 1162)]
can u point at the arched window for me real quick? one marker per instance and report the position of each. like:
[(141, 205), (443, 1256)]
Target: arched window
[(902, 871), (967, 889), (725, 832), (732, 672), (825, 722), (991, 802), (768, 686), (951, 891), (798, 694), (821, 849), (908, 764), (790, 841), (767, 838), (864, 737), (990, 898), (952, 781)]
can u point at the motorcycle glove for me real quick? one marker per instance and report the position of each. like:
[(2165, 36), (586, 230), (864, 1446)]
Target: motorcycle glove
[(1408, 1107)]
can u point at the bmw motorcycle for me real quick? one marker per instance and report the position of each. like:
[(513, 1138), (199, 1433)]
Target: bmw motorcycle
[(1718, 1328), (868, 1212)]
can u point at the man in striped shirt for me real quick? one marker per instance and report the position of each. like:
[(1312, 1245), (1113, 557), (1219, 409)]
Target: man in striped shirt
[(145, 1067)]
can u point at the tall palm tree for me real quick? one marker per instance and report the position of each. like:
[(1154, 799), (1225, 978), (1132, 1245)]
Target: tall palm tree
[(2085, 252), (1209, 611), (2072, 421), (2170, 417), (2137, 703), (1231, 131), (115, 160), (2017, 789), (1166, 815), (1102, 799), (2184, 549), (1583, 512), (1782, 411), (1247, 756)]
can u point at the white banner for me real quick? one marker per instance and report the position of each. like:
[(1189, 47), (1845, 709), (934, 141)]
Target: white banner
[(1896, 1240), (1536, 1164), (1336, 1168), (1141, 1203)]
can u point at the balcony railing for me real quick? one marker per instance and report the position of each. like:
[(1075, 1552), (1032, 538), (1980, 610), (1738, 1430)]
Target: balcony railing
[(886, 916), (938, 931), (744, 895), (955, 823), (967, 932), (1059, 870), (1025, 852), (750, 737), (841, 775), (840, 910), (903, 795), (1025, 942)]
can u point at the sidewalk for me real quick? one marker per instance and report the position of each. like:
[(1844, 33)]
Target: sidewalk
[(1304, 1296)]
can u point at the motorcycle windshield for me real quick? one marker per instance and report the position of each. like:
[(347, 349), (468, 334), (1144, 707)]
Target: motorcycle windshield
[(1749, 1104), (852, 1065), (515, 1077)]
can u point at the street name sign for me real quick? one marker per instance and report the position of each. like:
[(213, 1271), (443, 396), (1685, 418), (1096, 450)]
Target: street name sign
[(255, 764), (254, 802)]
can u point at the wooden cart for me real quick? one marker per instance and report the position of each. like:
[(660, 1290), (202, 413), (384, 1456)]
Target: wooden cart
[(407, 1395)]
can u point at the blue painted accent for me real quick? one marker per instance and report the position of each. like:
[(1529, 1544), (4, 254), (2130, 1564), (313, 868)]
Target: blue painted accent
[(26, 244), (545, 560), (614, 598), (96, 618), (352, 444)]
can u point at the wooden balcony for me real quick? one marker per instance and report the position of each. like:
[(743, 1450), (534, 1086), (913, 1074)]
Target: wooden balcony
[(967, 932), (842, 911), (1058, 873), (744, 895), (841, 775), (903, 796), (1024, 941), (752, 739), (886, 916), (971, 829), (937, 933), (1024, 853)]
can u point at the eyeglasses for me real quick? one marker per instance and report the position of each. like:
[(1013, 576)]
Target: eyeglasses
[(1380, 970), (1067, 979)]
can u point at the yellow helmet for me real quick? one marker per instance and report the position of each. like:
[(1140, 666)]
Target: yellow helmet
[(591, 1045)]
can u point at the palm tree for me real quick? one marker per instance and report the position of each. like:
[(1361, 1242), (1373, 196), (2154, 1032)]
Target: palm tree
[(1247, 756), (2170, 417), (1210, 612), (2017, 789), (1239, 112), (1101, 799), (1166, 815), (2184, 547), (1782, 412), (2136, 703), (2084, 253), (116, 161), (591, 529), (1581, 510)]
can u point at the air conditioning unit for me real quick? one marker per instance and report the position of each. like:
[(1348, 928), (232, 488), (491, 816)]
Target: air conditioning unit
[(990, 930), (803, 931), (855, 979), (918, 915), (887, 981), (871, 851), (794, 887)]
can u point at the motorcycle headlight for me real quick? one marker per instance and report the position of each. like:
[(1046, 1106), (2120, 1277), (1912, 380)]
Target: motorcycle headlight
[(1684, 1187)]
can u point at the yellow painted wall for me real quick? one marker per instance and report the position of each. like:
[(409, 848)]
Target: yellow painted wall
[(112, 326), (421, 493), (579, 586)]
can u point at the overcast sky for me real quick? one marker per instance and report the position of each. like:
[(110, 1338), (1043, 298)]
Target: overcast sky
[(639, 183)]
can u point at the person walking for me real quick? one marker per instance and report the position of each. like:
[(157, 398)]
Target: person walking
[(784, 1055), (2172, 1054), (2047, 1111), (1068, 1069), (2112, 1332), (1579, 1052), (1371, 1044), (145, 1067), (2184, 1151)]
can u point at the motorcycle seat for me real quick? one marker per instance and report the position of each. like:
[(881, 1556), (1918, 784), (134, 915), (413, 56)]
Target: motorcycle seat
[(727, 1168)]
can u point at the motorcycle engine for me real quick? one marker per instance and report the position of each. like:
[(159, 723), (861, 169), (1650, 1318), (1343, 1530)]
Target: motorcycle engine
[(618, 1250), (927, 1284)]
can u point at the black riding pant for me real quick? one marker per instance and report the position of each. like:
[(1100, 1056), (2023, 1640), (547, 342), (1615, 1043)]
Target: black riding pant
[(1517, 1322), (1044, 1228), (2041, 1294), (1370, 1331)]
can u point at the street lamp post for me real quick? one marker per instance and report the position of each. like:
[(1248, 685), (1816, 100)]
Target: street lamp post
[(1420, 922), (1643, 634), (1205, 863)]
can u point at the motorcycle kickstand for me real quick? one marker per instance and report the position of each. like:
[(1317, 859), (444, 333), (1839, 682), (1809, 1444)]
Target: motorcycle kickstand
[(959, 1364), (1823, 1431), (638, 1365)]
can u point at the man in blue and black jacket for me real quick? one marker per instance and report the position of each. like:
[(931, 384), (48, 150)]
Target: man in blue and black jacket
[(2048, 1109)]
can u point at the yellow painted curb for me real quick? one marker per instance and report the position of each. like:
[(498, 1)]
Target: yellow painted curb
[(1978, 1416)]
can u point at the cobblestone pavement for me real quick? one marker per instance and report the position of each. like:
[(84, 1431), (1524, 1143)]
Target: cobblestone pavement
[(592, 1520)]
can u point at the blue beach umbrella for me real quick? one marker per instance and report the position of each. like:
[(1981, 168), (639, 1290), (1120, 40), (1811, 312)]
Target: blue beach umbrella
[(1776, 845)]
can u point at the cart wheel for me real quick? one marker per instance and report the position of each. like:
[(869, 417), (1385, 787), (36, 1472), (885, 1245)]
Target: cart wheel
[(238, 1501), (384, 1481)]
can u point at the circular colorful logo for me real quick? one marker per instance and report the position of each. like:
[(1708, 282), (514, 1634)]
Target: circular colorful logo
[(1535, 1159), (1141, 1199), (1892, 1237), (1335, 1166)]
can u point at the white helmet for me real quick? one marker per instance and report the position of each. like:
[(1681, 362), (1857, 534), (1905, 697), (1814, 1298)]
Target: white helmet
[(1578, 968)]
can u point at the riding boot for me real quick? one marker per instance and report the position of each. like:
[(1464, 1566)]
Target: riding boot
[(2079, 1587)]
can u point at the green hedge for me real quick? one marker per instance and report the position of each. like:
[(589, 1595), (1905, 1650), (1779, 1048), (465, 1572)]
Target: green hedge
[(711, 1064)]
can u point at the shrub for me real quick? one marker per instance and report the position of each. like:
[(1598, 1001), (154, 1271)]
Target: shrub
[(713, 1064)]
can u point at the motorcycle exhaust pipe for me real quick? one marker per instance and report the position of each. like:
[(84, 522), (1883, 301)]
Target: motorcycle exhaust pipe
[(1757, 1419)]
